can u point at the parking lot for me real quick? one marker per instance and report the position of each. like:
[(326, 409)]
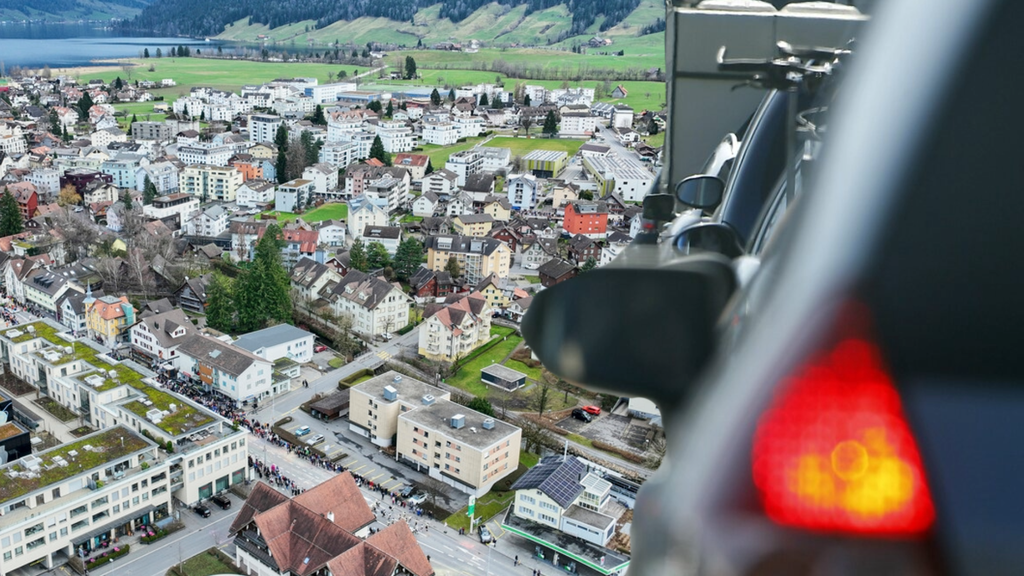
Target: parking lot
[(612, 429)]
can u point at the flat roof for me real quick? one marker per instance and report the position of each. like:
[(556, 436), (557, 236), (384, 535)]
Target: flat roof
[(504, 372), (409, 389), (273, 336), (438, 416), (589, 517), (578, 549), (546, 155)]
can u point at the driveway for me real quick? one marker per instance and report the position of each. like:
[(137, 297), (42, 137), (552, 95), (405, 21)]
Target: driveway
[(609, 428)]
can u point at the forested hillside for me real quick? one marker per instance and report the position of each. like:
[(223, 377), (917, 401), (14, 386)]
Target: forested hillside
[(209, 17), (64, 10)]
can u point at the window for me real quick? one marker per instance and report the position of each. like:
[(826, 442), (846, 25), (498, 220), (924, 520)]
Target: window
[(80, 524), (33, 529), (526, 498), (546, 518)]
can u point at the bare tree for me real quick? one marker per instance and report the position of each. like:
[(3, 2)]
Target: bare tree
[(541, 397), (535, 436), (78, 233), (526, 121), (435, 489)]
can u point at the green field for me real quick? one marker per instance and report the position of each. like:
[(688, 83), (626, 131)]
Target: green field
[(439, 154), (206, 563), (221, 74), (468, 377), (523, 146), (336, 211)]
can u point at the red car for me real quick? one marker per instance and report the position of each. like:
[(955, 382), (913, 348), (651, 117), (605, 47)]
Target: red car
[(592, 410), (320, 348)]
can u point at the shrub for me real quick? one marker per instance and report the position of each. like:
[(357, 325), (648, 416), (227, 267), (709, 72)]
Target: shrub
[(117, 552), (151, 537), (144, 465)]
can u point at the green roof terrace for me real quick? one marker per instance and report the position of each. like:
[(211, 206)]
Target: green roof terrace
[(67, 461)]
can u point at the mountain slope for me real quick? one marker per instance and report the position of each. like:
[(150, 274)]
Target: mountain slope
[(210, 17), (69, 10)]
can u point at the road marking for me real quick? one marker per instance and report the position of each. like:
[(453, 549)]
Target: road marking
[(374, 479), (360, 468), (383, 355), (350, 462)]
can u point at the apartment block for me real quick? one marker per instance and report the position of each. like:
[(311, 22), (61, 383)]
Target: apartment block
[(211, 182)]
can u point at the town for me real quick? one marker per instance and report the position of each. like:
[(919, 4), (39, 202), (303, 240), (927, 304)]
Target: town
[(290, 314)]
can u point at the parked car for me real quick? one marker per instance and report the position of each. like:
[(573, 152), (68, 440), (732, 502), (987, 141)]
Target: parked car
[(302, 431), (315, 440), (407, 491), (417, 499), (320, 348), (485, 535), (201, 510), (579, 414), (221, 500), (854, 407), (594, 410)]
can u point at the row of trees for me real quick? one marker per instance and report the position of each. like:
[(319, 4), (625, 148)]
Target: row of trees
[(373, 256), (10, 215), (293, 156), (259, 295)]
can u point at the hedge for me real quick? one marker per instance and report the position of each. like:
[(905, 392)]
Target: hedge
[(117, 552), (161, 533), (616, 450)]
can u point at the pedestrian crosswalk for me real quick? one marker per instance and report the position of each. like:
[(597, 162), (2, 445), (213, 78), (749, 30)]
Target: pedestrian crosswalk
[(383, 354)]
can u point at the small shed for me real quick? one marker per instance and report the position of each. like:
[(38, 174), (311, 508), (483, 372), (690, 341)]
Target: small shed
[(331, 407), (503, 377)]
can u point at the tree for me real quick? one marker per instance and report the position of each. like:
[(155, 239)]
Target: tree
[(357, 256), (451, 95), (483, 100), (377, 151), (342, 75), (526, 120), (435, 98), (526, 100), (452, 267), (159, 53), (375, 106), (68, 195), (261, 293), (220, 306), (118, 83), (127, 199), (390, 110), (498, 104), (281, 166), (586, 195), (318, 116), (550, 124), (377, 256), (149, 191), (481, 405), (10, 215), (589, 265), (145, 53), (410, 68), (281, 137), (535, 436), (408, 258), (84, 104), (541, 397), (134, 119), (653, 130)]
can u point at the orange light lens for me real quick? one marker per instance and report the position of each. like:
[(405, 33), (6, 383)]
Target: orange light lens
[(834, 452)]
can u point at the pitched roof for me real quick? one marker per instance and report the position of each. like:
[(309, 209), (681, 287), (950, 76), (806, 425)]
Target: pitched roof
[(558, 477), (474, 218), (307, 271), (338, 497), (261, 499), (307, 239), (397, 540), (110, 307), (555, 268), (362, 560), (363, 289), (161, 326), (300, 540), (224, 357)]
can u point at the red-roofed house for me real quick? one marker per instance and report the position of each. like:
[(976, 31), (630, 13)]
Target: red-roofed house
[(28, 199), (301, 244), (454, 330), (311, 534), (416, 164)]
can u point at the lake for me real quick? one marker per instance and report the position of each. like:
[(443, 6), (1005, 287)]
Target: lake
[(77, 44)]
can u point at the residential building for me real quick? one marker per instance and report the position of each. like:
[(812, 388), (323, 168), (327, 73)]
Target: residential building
[(451, 443), (395, 135), (460, 203), (498, 208), (332, 233), (71, 310), (441, 133), (152, 131), (45, 289), (416, 164), (206, 153), (582, 248), (363, 213), (339, 154), (497, 292), (479, 186), (108, 318), (191, 295), (213, 221), (472, 224), (323, 176), (388, 236), (586, 218), (577, 124), (427, 284), (425, 205), (622, 116), (250, 167), (277, 342), (622, 177), (229, 370), (375, 305), (387, 192), (255, 193), (210, 182), (545, 163), (46, 181), (443, 182), (125, 482), (26, 196), (494, 159), (455, 330), (181, 205), (562, 493), (477, 257), (522, 191), (263, 127), (329, 520), (155, 337), (163, 175), (464, 164), (556, 271), (300, 244), (293, 196), (309, 278)]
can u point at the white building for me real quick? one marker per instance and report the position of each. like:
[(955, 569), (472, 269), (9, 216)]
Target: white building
[(163, 175), (442, 182), (494, 159), (276, 342), (362, 213), (210, 222), (155, 338), (210, 182), (232, 371), (624, 177), (375, 305), (183, 205), (424, 205), (622, 116), (46, 181), (205, 153), (522, 191), (339, 154), (388, 236), (395, 136), (263, 127), (441, 133), (577, 124), (464, 164), (328, 93), (254, 192), (332, 233), (293, 195), (323, 176)]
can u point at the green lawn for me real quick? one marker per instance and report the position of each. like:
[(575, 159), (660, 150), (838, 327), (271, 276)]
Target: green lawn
[(409, 218), (581, 440), (487, 506), (336, 362), (468, 378), (531, 373), (527, 459), (656, 140), (523, 146), (335, 211), (532, 279), (221, 74), (206, 563)]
